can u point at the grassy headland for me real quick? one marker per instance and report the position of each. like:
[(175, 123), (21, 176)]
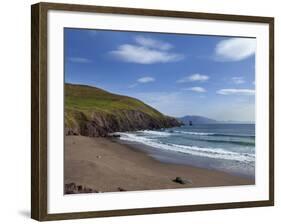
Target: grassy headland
[(91, 111)]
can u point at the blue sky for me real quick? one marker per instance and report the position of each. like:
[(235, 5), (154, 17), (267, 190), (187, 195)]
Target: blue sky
[(179, 75)]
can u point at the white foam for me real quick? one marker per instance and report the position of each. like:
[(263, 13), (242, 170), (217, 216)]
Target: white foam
[(194, 133), (216, 153), (157, 133)]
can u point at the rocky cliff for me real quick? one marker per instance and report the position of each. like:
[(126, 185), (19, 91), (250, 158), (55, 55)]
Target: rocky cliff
[(91, 111)]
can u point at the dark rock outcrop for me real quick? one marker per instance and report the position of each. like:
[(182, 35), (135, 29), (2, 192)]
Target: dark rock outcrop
[(101, 124)]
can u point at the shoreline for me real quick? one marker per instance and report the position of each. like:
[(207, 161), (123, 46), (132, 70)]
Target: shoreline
[(106, 165), (177, 158)]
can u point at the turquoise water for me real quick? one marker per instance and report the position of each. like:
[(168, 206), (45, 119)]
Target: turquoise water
[(226, 147)]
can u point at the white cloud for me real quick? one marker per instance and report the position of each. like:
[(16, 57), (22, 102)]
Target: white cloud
[(247, 92), (235, 49), (196, 89), (146, 51), (146, 79), (144, 55), (79, 60), (193, 78), (142, 80), (238, 80), (152, 43)]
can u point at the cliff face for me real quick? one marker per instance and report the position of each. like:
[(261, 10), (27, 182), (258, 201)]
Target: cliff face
[(90, 111), (101, 124)]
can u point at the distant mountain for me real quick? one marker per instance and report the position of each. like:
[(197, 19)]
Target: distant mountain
[(94, 112), (197, 120)]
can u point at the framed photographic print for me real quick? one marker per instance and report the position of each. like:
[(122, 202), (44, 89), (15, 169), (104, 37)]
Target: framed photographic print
[(139, 111)]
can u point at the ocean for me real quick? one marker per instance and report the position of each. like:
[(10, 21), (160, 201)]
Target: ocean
[(225, 147)]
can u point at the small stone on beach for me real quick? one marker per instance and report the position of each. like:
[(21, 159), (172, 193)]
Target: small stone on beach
[(182, 180), (121, 189)]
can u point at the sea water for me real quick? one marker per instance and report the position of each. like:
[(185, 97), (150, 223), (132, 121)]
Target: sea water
[(225, 147)]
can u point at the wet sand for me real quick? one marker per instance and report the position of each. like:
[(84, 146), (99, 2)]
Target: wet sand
[(104, 165)]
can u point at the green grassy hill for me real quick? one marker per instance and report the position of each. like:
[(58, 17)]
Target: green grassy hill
[(91, 111)]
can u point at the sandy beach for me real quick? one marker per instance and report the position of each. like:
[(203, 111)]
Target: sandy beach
[(103, 165)]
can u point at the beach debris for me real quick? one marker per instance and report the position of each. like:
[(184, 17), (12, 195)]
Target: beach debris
[(87, 190), (72, 188), (79, 187), (121, 189), (181, 180)]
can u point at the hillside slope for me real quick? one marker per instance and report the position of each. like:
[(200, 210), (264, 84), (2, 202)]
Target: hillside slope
[(91, 111)]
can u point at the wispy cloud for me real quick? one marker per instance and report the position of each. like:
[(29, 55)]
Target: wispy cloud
[(146, 51), (238, 80), (193, 78), (235, 49), (133, 85), (153, 43), (247, 92), (197, 89), (142, 80), (144, 55), (146, 79), (79, 60)]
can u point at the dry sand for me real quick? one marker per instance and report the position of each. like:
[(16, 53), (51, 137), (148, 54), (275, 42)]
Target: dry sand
[(107, 166)]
